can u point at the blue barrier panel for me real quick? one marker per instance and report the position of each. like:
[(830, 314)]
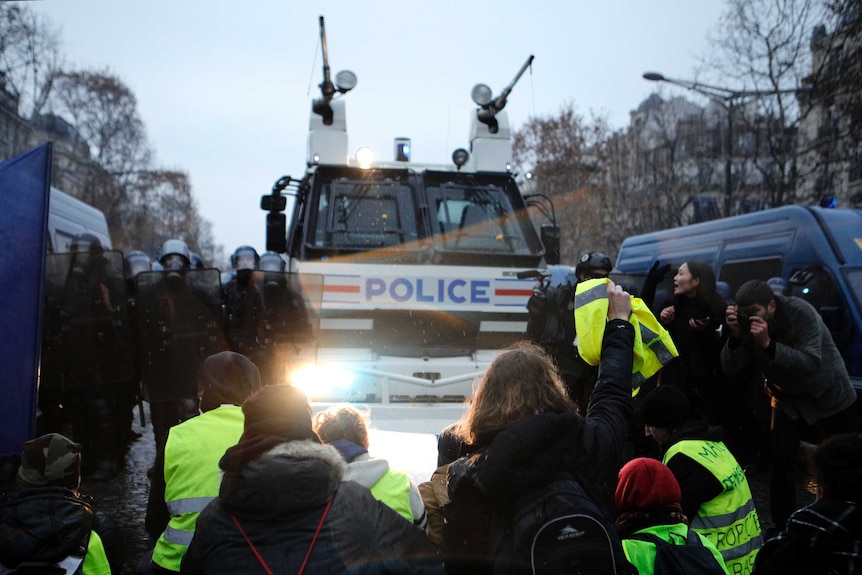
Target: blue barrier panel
[(25, 184)]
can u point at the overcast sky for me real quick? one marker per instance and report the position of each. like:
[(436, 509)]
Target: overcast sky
[(225, 88)]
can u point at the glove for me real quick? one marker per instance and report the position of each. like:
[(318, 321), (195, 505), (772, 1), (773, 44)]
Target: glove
[(656, 274)]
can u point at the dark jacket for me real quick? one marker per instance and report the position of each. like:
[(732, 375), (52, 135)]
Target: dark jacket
[(548, 447), (47, 524), (803, 370), (824, 537), (699, 349), (279, 498)]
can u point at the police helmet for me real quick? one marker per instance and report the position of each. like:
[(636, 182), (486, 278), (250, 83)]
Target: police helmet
[(592, 264), (197, 262), (137, 262), (244, 258), (85, 242), (271, 262), (175, 255)]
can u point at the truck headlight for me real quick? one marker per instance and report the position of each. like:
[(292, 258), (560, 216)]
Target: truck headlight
[(318, 381)]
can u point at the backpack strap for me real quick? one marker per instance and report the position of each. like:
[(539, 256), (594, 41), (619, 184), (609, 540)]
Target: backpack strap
[(307, 553)]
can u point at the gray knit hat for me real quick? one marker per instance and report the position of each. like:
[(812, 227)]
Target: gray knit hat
[(51, 459)]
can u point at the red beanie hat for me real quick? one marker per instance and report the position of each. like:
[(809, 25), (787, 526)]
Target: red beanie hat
[(645, 484)]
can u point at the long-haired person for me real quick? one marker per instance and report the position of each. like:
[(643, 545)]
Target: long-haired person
[(693, 319), (521, 434)]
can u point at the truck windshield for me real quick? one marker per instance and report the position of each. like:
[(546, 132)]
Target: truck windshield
[(364, 214), (475, 218)]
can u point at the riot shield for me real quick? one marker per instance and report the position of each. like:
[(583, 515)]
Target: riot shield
[(289, 304), (286, 323), (179, 325), (243, 308), (87, 337)]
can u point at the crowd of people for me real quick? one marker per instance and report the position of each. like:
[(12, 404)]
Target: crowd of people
[(633, 473)]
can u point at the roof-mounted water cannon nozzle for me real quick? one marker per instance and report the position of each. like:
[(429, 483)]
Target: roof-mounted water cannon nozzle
[(345, 81), (488, 105)]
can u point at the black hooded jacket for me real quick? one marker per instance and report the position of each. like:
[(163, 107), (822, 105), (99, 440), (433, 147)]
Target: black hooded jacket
[(548, 447), (278, 499)]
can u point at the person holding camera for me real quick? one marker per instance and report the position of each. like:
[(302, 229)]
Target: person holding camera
[(812, 398)]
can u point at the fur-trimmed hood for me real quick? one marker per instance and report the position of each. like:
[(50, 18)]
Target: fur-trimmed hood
[(288, 478)]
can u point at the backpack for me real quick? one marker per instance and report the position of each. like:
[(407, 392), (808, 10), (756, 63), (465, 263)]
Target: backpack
[(690, 557), (557, 529), (435, 495)]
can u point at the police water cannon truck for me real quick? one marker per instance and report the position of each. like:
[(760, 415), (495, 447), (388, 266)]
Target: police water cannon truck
[(419, 262)]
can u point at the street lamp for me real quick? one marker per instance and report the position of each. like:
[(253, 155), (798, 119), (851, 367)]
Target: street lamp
[(727, 98)]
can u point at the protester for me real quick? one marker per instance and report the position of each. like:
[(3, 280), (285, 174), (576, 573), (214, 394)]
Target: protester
[(648, 503), (694, 319), (715, 492), (187, 476), (826, 536), (346, 429), (283, 505), (46, 521), (521, 432), (785, 339)]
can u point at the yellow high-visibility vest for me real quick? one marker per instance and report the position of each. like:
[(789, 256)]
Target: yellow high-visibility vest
[(193, 477), (95, 561), (653, 346), (729, 520), (642, 554), (393, 489)]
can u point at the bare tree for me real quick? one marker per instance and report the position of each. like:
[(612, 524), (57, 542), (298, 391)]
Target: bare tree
[(30, 56), (103, 111), (560, 151), (144, 205), (761, 48), (166, 208), (831, 144)]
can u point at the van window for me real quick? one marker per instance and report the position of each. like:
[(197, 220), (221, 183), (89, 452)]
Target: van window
[(64, 240), (739, 272), (854, 281), (817, 286)]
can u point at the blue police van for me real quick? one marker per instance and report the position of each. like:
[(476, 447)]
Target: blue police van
[(817, 251)]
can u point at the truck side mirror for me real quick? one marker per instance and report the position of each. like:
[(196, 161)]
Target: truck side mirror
[(551, 240), (273, 203)]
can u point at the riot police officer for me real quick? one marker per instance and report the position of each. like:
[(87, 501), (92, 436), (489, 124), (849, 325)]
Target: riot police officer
[(242, 304), (178, 319), (197, 261), (89, 334), (593, 265)]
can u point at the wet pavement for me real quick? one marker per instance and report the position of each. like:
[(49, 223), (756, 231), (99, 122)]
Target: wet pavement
[(124, 498)]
